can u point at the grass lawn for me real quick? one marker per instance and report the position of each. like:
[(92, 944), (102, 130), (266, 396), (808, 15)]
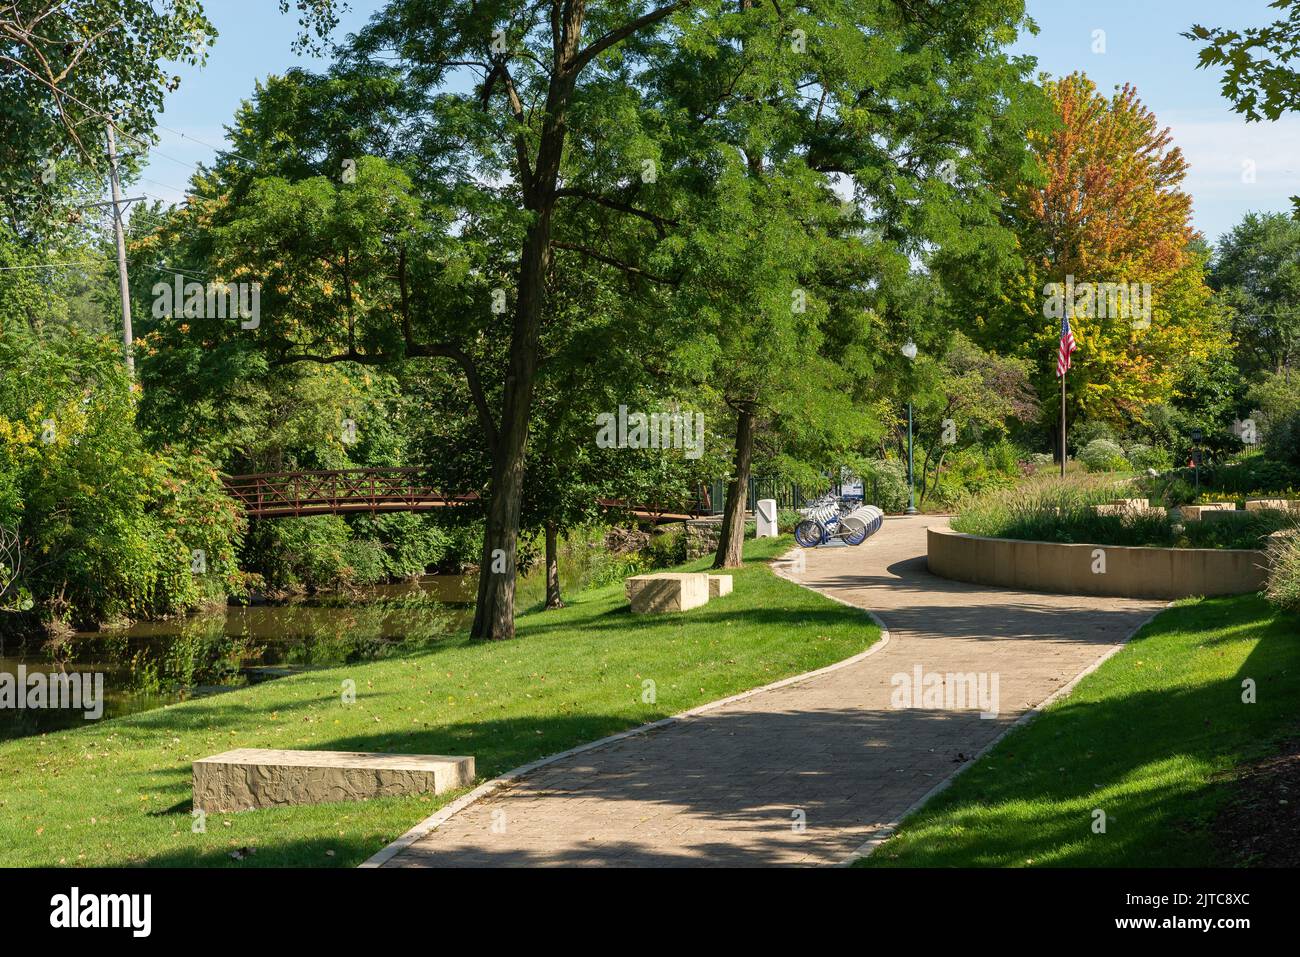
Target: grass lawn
[(1151, 738), (117, 792)]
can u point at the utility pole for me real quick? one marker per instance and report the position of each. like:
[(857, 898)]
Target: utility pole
[(118, 204), (123, 287)]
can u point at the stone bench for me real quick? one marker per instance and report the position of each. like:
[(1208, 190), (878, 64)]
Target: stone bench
[(719, 585), (1225, 515), (1129, 506), (1277, 504), (667, 591), (249, 778), (1193, 513)]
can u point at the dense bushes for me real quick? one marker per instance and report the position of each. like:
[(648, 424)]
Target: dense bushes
[(329, 551), (1252, 477), (1103, 455), (1277, 398), (884, 484), (1142, 457), (107, 528), (1283, 440)]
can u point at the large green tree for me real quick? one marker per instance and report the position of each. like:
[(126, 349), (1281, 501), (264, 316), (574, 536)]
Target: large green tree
[(1256, 271), (564, 137)]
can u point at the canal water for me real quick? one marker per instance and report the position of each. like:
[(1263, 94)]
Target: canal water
[(154, 663)]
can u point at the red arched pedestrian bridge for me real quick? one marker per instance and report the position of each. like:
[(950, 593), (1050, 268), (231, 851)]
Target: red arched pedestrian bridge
[(372, 490)]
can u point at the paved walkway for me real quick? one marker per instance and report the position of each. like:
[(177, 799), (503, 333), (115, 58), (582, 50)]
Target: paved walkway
[(732, 786)]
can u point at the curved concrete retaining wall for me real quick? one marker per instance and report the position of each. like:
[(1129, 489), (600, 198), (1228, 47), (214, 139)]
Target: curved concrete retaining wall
[(1068, 569)]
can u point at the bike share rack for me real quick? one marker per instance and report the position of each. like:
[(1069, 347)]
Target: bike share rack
[(830, 518)]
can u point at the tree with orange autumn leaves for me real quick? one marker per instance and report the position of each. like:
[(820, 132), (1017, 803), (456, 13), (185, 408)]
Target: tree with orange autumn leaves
[(1106, 207)]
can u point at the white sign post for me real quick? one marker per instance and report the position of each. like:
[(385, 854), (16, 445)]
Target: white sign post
[(765, 518)]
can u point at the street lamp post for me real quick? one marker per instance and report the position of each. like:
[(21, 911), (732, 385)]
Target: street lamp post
[(1197, 436), (909, 352)]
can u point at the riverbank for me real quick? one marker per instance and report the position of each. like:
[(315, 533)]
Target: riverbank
[(152, 663), (117, 792)]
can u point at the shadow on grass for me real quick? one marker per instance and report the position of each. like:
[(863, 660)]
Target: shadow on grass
[(1031, 800), (1144, 741)]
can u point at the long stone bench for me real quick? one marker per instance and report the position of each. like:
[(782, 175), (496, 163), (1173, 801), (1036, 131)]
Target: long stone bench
[(249, 778), (1129, 506), (667, 591), (1226, 515), (1278, 504), (1193, 513)]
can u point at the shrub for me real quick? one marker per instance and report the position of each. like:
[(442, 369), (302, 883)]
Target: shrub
[(1103, 455), (1255, 476), (1143, 457), (304, 552), (1085, 433), (666, 548), (364, 562), (116, 525), (1283, 587), (412, 542), (884, 484), (788, 518), (1283, 439), (1170, 490)]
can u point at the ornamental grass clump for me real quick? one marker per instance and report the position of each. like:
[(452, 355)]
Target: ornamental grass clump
[(1283, 588), (1049, 509)]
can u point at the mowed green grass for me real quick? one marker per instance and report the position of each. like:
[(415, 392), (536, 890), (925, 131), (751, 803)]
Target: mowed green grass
[(118, 792), (1150, 738)]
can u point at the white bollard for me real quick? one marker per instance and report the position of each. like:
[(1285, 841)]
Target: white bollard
[(765, 518)]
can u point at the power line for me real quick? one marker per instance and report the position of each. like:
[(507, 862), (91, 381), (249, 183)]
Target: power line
[(79, 262), (158, 267), (136, 139), (218, 149)]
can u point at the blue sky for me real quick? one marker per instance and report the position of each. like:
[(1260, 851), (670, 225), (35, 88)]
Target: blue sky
[(1142, 46)]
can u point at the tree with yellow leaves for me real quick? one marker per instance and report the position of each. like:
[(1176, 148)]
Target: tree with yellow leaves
[(1105, 237)]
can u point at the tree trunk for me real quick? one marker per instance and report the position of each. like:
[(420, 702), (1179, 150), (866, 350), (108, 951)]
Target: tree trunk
[(553, 599), (732, 540), (494, 613)]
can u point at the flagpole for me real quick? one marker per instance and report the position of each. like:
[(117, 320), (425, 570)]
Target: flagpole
[(1062, 425)]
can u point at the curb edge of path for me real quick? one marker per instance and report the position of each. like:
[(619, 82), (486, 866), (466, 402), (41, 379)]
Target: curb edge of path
[(884, 832), (442, 815)]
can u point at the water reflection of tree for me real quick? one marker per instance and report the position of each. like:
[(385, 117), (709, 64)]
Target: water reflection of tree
[(217, 649)]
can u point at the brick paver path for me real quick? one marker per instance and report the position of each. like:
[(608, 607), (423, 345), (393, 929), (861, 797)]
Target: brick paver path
[(731, 786)]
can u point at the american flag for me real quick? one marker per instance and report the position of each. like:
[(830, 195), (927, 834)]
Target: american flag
[(1067, 347)]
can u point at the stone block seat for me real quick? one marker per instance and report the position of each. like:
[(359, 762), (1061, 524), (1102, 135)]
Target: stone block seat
[(249, 778), (719, 585), (1274, 504), (1128, 506), (1225, 515), (1193, 513), (667, 591)]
